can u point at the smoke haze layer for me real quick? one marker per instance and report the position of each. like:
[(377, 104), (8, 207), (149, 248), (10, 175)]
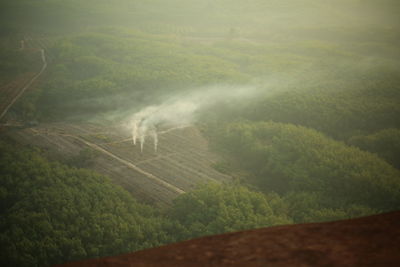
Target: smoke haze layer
[(181, 110)]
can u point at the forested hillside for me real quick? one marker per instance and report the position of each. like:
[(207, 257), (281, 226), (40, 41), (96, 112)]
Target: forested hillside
[(52, 213), (310, 169), (299, 101)]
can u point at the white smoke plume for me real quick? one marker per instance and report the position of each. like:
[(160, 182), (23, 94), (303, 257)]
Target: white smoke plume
[(155, 138), (178, 111), (134, 131)]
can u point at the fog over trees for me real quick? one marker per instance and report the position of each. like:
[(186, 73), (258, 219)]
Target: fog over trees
[(298, 101)]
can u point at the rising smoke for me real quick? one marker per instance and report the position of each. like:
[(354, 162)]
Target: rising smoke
[(180, 111)]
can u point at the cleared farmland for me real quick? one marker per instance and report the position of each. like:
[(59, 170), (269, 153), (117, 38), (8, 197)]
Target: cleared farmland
[(181, 162)]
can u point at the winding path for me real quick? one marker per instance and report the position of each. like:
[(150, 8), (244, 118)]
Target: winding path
[(44, 66)]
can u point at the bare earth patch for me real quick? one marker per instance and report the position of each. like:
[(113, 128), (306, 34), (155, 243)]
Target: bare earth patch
[(369, 241)]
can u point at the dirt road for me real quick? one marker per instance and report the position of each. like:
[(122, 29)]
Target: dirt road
[(7, 102)]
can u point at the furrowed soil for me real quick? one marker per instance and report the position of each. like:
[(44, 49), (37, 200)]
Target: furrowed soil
[(181, 162)]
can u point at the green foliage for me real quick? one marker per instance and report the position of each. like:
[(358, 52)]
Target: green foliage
[(95, 72), (338, 109), (52, 214), (213, 209), (385, 143), (309, 207), (327, 69), (287, 158)]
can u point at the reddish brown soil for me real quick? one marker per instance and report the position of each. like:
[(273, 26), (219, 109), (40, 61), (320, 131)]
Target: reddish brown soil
[(369, 241)]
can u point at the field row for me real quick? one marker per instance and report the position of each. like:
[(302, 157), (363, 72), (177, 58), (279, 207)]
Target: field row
[(182, 161)]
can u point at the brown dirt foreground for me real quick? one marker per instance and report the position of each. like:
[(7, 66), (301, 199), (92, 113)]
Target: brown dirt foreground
[(368, 241)]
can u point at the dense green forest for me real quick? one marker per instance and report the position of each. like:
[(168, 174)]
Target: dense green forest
[(52, 213), (317, 139), (293, 160)]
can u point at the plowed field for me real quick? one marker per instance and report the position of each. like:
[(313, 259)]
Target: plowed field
[(181, 162)]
